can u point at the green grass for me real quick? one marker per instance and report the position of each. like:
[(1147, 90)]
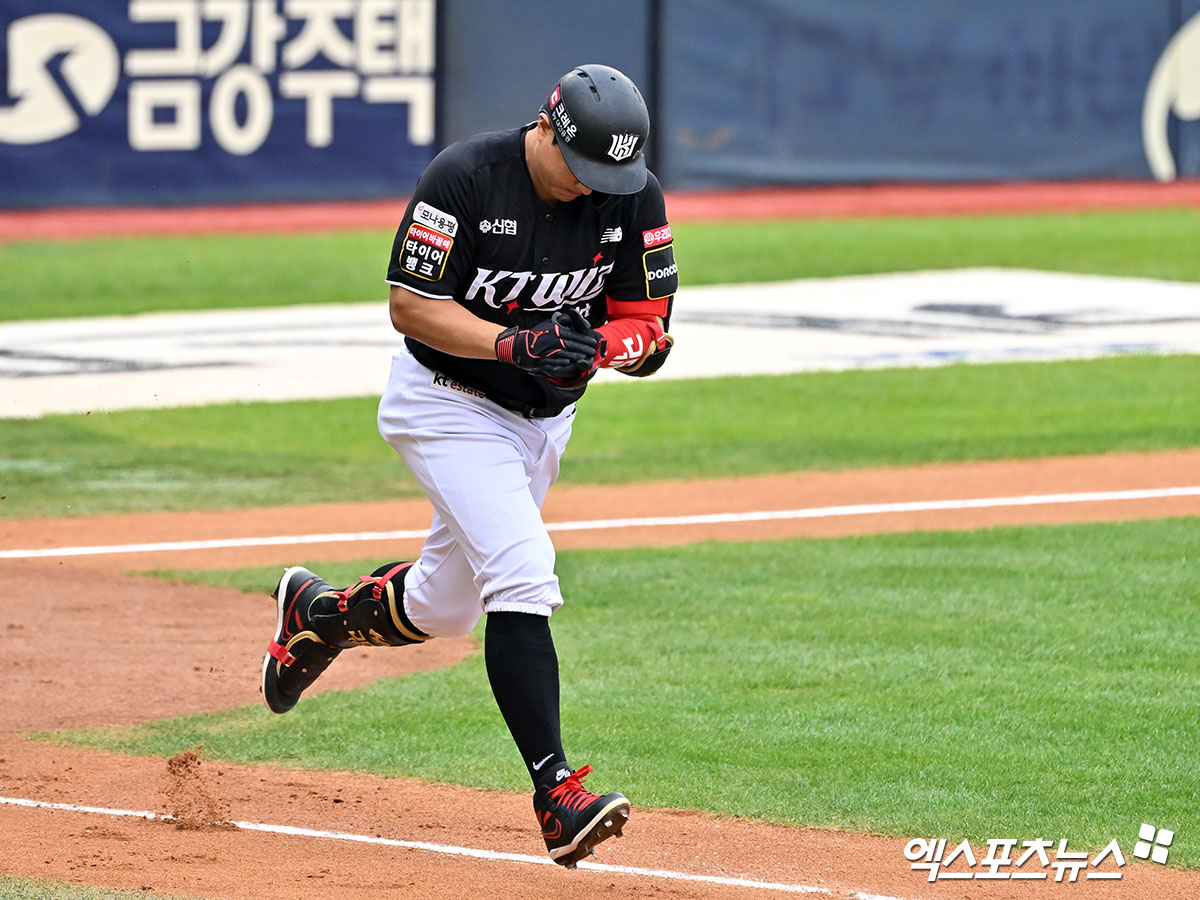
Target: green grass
[(36, 889), (1152, 244), (120, 276), (1027, 682), (256, 454), (213, 457), (129, 275)]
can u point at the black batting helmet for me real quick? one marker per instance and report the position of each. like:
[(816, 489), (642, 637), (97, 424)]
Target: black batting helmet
[(602, 124)]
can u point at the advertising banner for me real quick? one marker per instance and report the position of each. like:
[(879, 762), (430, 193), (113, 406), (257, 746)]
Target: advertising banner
[(197, 101)]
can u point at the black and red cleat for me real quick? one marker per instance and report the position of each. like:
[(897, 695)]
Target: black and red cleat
[(573, 819), (296, 656)]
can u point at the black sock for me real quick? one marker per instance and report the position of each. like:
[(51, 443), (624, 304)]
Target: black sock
[(523, 670)]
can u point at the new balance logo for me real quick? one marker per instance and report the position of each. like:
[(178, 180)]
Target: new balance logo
[(611, 236)]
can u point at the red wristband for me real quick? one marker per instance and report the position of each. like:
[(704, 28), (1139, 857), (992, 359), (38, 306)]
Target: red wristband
[(629, 340)]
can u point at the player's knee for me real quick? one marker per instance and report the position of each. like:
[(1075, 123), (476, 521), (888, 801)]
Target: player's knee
[(451, 622), (443, 601)]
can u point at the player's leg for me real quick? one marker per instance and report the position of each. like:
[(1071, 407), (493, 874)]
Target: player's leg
[(488, 502), (315, 622), (572, 818), (487, 472), (519, 652), (484, 471), (474, 462), (440, 597), (522, 668), (520, 657)]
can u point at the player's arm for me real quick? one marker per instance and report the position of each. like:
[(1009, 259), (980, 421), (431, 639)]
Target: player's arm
[(553, 348), (634, 340), (638, 304), (442, 324)]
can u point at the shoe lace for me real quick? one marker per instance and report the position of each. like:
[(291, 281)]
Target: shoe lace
[(571, 793), (377, 584)]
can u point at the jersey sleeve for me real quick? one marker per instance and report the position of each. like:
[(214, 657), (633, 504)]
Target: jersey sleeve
[(646, 276), (433, 242)]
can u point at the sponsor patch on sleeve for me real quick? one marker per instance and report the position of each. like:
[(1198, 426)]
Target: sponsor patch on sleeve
[(662, 275), (656, 237), (435, 219), (425, 252)]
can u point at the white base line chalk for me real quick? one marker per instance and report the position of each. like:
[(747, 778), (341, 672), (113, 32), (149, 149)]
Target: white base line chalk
[(450, 850), (824, 512)]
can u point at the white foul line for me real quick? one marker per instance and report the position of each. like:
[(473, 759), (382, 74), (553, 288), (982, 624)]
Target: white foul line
[(450, 850), (823, 512)]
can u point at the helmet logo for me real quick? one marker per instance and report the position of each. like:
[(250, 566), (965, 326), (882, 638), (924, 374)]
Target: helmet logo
[(622, 146)]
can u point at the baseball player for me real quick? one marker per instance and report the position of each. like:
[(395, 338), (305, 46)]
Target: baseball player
[(526, 260)]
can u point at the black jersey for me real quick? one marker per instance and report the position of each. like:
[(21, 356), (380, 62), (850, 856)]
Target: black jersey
[(477, 233)]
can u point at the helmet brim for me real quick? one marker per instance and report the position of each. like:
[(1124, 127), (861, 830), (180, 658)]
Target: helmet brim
[(626, 177)]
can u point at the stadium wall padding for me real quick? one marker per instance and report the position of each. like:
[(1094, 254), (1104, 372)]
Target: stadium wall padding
[(172, 102)]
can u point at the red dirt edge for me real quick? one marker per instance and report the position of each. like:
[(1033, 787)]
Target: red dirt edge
[(81, 223)]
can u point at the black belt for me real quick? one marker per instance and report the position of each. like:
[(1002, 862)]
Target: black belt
[(519, 406), (541, 412), (529, 412)]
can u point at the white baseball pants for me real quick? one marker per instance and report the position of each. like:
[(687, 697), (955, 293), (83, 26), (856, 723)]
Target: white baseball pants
[(486, 471)]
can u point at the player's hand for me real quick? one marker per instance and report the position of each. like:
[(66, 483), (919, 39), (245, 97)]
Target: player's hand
[(571, 319), (556, 348)]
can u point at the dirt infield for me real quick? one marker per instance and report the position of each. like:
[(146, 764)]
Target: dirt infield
[(706, 206), (135, 650)]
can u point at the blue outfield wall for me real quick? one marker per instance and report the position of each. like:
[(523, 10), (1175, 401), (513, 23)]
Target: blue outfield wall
[(213, 101), (798, 91)]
